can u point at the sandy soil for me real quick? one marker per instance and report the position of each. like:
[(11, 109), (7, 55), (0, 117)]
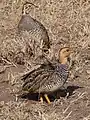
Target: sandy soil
[(68, 24)]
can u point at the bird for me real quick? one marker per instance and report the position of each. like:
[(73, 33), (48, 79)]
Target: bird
[(49, 76), (33, 33)]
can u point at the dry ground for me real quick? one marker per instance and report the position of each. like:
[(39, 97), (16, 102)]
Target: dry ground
[(67, 23)]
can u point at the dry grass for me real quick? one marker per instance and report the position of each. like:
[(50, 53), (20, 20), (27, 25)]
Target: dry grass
[(68, 24)]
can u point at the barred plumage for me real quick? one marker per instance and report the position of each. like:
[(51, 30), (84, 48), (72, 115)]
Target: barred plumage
[(30, 27), (48, 77)]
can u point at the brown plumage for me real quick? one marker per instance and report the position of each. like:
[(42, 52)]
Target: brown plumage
[(34, 33), (48, 77)]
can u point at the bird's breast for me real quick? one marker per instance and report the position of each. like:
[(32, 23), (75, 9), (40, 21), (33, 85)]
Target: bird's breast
[(62, 72)]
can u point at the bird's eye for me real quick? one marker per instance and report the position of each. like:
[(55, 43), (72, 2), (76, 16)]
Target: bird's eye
[(67, 50)]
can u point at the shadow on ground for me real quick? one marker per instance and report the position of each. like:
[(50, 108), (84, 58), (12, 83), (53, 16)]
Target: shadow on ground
[(52, 96)]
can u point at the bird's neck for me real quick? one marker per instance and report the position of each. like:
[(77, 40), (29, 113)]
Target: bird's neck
[(63, 60)]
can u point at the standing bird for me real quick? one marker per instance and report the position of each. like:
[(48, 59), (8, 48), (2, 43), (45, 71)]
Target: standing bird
[(49, 77), (33, 33)]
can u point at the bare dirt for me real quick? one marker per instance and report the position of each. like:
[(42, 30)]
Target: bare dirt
[(68, 24)]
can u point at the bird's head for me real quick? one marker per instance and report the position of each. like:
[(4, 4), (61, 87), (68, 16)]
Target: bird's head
[(64, 54)]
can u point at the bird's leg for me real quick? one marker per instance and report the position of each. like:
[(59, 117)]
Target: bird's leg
[(48, 100), (67, 95), (41, 99)]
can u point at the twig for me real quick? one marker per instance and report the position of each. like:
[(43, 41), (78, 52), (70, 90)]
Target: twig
[(87, 118), (78, 97), (67, 116), (11, 63), (66, 109)]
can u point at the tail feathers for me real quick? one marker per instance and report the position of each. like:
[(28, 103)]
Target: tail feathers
[(37, 70), (33, 81), (26, 75)]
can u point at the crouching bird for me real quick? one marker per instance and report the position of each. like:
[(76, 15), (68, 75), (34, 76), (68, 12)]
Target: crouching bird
[(49, 77)]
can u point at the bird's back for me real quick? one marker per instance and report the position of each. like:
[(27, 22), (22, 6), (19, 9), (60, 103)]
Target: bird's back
[(35, 29), (47, 78)]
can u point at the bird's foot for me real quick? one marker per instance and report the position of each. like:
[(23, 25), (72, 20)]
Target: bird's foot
[(41, 100), (47, 99)]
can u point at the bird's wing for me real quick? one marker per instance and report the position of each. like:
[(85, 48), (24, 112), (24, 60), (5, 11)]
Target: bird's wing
[(54, 78), (45, 78), (53, 82), (36, 78)]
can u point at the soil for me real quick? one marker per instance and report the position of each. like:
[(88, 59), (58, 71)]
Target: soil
[(68, 24)]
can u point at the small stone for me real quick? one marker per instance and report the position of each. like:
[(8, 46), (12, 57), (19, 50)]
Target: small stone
[(88, 71), (2, 69), (1, 103)]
